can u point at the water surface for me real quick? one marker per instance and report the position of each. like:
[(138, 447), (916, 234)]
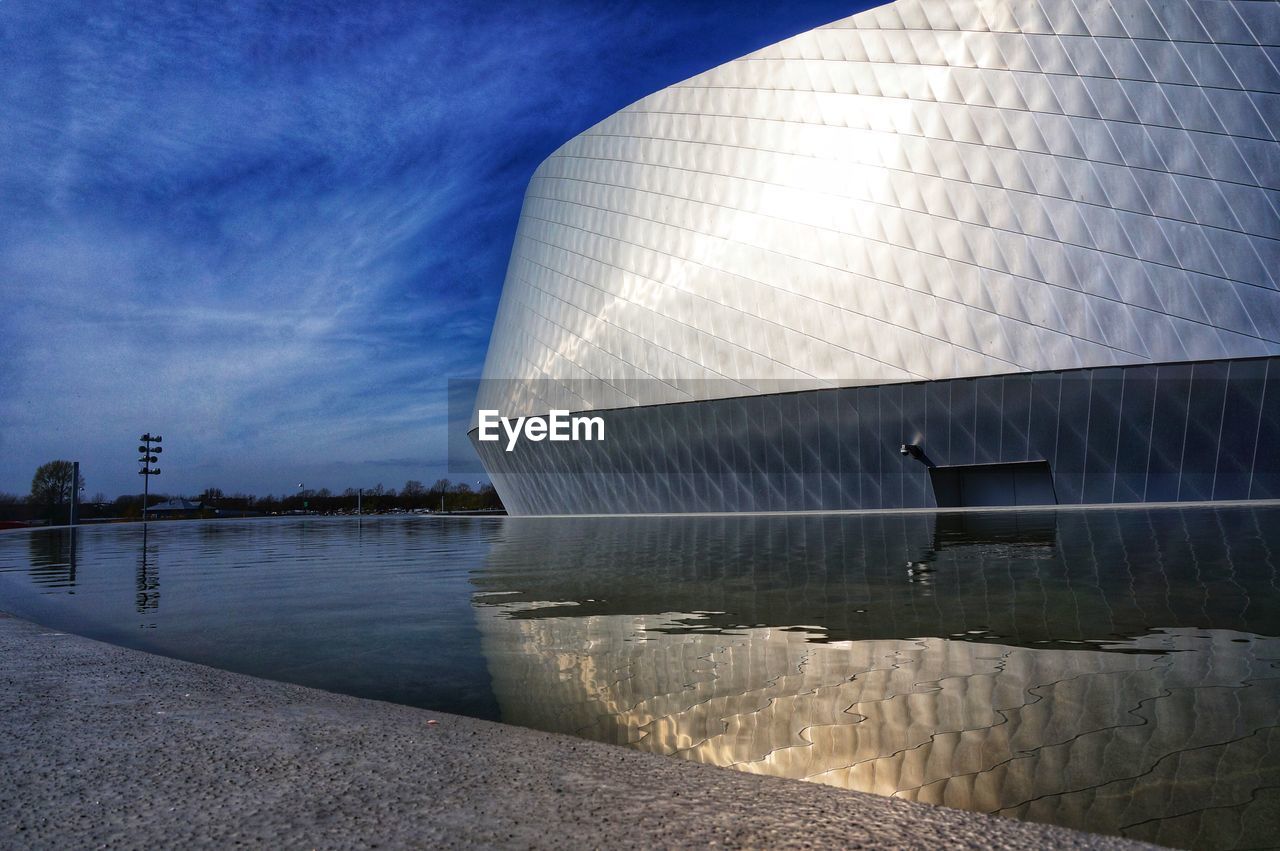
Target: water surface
[(1111, 670)]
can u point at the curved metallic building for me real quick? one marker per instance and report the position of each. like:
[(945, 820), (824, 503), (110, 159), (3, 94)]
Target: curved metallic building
[(1036, 241)]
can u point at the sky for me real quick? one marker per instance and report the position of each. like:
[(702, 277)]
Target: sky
[(272, 232)]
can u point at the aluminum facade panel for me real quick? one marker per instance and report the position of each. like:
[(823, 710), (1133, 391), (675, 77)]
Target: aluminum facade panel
[(930, 190), (926, 190)]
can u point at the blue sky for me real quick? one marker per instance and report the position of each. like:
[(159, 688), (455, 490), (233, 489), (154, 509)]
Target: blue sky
[(272, 232)]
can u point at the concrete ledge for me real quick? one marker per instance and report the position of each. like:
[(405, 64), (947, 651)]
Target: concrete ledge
[(108, 747)]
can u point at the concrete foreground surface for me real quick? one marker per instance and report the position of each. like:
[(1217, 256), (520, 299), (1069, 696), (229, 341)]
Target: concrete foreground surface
[(102, 746)]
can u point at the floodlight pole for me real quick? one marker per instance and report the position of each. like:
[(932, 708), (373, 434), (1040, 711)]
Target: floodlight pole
[(149, 453)]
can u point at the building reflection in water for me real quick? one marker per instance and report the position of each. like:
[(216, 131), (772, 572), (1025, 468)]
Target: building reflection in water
[(1112, 671)]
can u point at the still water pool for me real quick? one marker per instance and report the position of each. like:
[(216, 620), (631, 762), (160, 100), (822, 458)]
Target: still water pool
[(1115, 671)]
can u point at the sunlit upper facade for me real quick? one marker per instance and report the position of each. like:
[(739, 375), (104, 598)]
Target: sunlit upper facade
[(924, 191)]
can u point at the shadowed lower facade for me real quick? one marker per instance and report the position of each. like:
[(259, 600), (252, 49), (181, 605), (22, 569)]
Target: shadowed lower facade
[(935, 254)]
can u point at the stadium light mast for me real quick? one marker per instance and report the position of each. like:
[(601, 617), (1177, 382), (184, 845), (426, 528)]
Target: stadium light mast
[(149, 453)]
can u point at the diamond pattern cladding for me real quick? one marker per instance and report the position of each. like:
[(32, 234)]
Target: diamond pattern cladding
[(928, 190)]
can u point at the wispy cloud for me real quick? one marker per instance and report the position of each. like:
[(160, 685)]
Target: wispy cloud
[(273, 233)]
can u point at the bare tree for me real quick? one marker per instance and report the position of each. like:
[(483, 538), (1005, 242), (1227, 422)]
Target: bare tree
[(51, 485)]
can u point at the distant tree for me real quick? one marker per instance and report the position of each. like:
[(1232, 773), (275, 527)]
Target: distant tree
[(460, 487), (14, 507), (51, 485), (128, 505), (211, 494), (324, 493), (489, 496), (413, 494), (441, 486), (99, 498)]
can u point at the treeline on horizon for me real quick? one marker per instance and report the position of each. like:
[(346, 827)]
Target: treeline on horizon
[(442, 495)]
